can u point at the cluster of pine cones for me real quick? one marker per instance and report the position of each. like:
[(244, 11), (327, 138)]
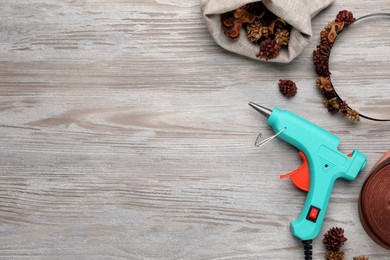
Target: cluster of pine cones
[(261, 26), (321, 54), (333, 240)]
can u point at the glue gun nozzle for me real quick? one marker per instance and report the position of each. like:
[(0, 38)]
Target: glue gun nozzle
[(262, 110)]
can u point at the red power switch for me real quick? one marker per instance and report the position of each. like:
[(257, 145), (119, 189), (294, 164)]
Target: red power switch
[(313, 213)]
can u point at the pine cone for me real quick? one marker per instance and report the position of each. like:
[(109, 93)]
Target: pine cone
[(324, 84), (362, 257), (232, 27), (321, 63), (334, 239), (343, 107), (335, 29), (334, 255), (287, 87), (328, 27), (282, 36), (353, 115), (242, 14), (324, 49), (324, 40), (345, 16), (239, 12), (334, 102), (329, 94), (253, 31), (330, 108), (264, 31), (269, 49)]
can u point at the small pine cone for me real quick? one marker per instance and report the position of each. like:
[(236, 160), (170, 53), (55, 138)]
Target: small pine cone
[(324, 49), (343, 107), (264, 31), (330, 108), (345, 16), (321, 63), (282, 36), (253, 31), (353, 115), (335, 102), (269, 49), (324, 84), (335, 29), (334, 239), (324, 40), (328, 27), (362, 257), (329, 94), (239, 12), (334, 255), (242, 14), (232, 27), (287, 87)]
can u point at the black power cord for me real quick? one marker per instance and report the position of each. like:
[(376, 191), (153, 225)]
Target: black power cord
[(307, 246)]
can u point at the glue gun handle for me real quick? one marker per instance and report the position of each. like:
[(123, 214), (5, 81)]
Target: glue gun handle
[(322, 179), (309, 223)]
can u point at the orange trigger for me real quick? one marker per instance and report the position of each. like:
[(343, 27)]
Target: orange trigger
[(300, 177)]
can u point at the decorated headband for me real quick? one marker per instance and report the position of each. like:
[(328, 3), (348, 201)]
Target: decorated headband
[(333, 102)]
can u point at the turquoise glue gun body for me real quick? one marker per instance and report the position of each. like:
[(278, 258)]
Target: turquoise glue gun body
[(325, 164)]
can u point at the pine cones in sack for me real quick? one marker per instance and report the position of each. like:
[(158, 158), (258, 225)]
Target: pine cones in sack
[(261, 26), (277, 17), (334, 239)]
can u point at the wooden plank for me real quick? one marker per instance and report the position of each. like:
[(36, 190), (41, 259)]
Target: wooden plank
[(125, 133)]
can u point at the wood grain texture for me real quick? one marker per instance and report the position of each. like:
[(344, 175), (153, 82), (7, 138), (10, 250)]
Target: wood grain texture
[(125, 134)]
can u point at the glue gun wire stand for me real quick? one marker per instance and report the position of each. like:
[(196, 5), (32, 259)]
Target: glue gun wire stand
[(325, 164)]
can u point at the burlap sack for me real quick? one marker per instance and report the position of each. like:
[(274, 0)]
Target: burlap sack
[(298, 13)]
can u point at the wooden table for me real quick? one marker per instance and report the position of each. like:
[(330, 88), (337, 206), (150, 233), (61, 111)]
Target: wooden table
[(125, 134)]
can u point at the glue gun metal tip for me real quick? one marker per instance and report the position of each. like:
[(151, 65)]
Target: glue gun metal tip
[(262, 110)]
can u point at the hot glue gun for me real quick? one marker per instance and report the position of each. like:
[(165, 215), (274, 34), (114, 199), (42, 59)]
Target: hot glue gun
[(325, 164)]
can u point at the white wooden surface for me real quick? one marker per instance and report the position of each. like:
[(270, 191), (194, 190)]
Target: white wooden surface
[(125, 134)]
